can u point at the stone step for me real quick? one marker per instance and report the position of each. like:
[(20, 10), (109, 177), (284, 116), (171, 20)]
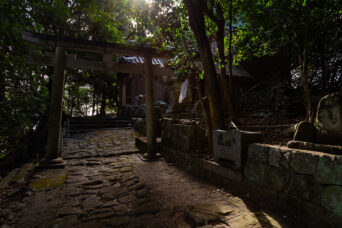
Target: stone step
[(77, 131), (81, 125), (99, 125), (72, 121)]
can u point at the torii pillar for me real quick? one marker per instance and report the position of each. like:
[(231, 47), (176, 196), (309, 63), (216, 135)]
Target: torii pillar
[(55, 111), (150, 113)]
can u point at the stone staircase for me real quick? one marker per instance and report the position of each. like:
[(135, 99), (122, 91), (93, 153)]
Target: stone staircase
[(81, 125)]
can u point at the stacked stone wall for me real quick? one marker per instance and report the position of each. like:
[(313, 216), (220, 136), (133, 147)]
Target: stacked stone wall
[(299, 183), (183, 136), (305, 184)]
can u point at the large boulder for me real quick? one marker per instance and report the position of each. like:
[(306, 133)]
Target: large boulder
[(329, 119), (305, 132)]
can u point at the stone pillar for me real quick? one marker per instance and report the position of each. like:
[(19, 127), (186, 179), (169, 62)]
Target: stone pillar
[(150, 113), (55, 112)]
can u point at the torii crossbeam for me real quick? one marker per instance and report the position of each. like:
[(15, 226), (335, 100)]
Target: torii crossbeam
[(60, 60)]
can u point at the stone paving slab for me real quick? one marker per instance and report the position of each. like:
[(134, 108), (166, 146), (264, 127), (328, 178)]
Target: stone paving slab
[(94, 190)]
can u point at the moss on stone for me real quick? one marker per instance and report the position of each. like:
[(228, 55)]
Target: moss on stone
[(48, 183)]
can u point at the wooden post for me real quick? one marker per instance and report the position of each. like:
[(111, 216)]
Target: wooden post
[(150, 114), (55, 112)]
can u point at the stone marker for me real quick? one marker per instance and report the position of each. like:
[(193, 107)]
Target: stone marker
[(232, 145), (329, 119)]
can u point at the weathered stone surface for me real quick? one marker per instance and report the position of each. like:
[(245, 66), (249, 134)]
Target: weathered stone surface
[(141, 192), (48, 182), (101, 211), (278, 179), (304, 162), (68, 211), (305, 187), (110, 203), (8, 178), (245, 220), (91, 204), (198, 218), (258, 153), (100, 216), (332, 199), (305, 132), (127, 199), (121, 209), (329, 171), (126, 169), (117, 221), (136, 186), (257, 173), (232, 145), (93, 182), (329, 118), (274, 157), (330, 149)]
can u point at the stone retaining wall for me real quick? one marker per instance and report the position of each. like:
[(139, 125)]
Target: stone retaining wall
[(184, 135), (299, 183), (303, 183)]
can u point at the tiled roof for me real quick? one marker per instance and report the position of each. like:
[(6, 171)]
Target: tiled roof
[(138, 60)]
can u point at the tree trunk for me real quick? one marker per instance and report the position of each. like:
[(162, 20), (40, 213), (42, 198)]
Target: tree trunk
[(205, 108), (196, 18), (2, 88), (304, 71), (103, 104), (226, 90), (94, 101)]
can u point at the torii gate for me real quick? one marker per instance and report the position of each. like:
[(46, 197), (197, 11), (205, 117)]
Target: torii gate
[(60, 60)]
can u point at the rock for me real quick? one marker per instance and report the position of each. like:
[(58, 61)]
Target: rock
[(274, 158), (101, 211), (332, 199), (304, 162), (258, 153), (206, 213), (68, 211), (305, 187), (198, 218), (126, 169), (48, 183), (127, 199), (141, 192), (257, 173), (330, 149), (329, 171), (8, 178), (277, 179), (110, 203), (245, 220), (305, 132), (100, 216), (136, 186), (91, 204), (117, 221), (329, 119), (94, 182), (13, 192), (121, 209)]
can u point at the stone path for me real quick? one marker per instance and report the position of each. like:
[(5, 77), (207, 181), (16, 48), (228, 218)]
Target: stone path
[(106, 184)]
